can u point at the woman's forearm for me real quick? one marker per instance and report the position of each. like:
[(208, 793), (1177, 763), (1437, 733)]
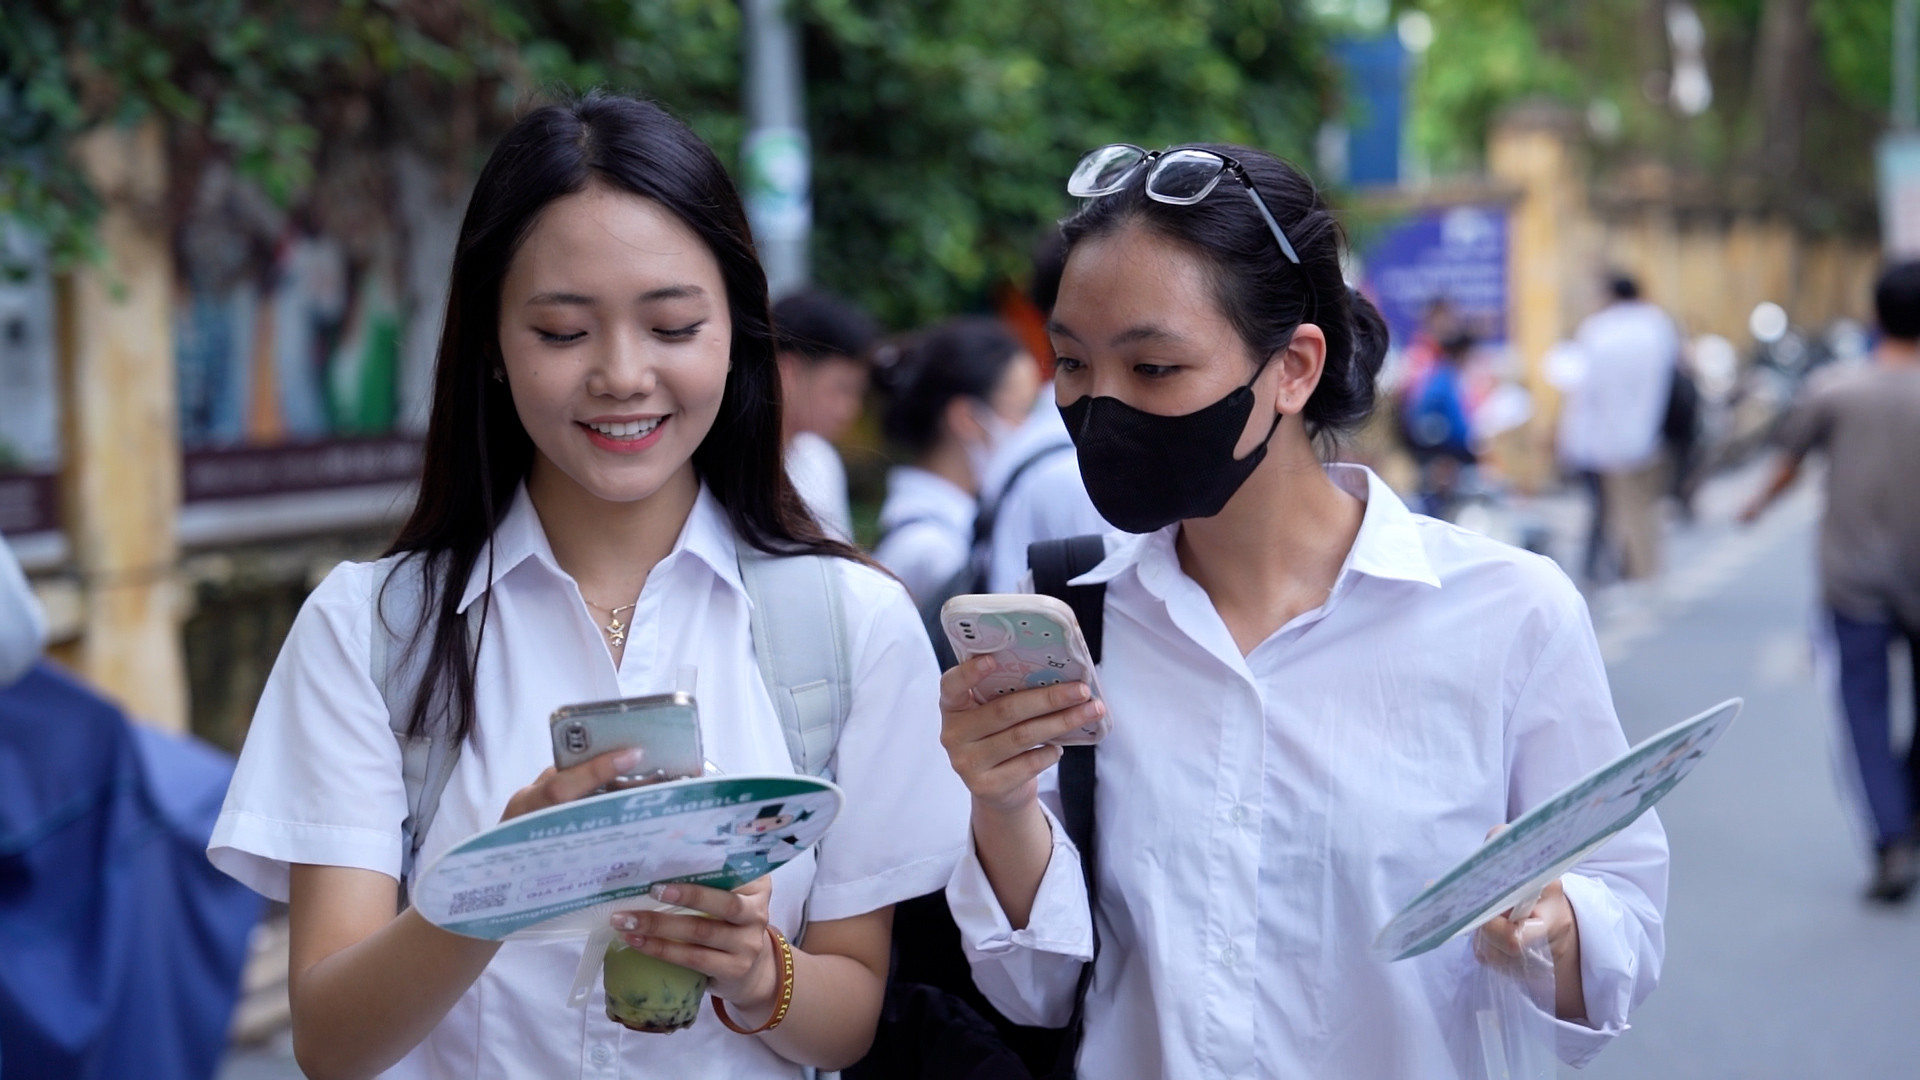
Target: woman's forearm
[(837, 991), (836, 1007), (1014, 849), (361, 1007)]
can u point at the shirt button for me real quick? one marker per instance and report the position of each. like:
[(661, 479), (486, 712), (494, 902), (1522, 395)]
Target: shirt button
[(602, 1054), (1229, 956), (1238, 815)]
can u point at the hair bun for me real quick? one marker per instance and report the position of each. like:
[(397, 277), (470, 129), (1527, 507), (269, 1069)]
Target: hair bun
[(1369, 335)]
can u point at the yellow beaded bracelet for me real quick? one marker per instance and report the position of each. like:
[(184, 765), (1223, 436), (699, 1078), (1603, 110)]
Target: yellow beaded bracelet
[(784, 1000)]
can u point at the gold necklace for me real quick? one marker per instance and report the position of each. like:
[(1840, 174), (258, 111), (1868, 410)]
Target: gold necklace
[(615, 629)]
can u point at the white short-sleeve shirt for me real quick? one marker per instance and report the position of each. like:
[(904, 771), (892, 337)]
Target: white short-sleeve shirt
[(1260, 817), (820, 477), (926, 529), (1047, 501), (319, 780)]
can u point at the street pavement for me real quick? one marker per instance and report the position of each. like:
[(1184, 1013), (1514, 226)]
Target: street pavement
[(1775, 967)]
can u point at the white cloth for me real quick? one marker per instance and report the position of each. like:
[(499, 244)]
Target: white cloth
[(1260, 819), (1617, 388), (319, 779), (821, 479), (926, 528), (1049, 501), (23, 625)]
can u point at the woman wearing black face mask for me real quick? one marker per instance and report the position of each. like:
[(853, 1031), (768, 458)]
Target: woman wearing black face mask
[(1320, 700)]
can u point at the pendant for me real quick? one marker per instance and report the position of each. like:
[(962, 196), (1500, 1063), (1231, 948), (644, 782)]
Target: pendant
[(616, 632)]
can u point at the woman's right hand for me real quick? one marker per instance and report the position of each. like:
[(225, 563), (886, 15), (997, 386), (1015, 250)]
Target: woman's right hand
[(1000, 748), (555, 786)]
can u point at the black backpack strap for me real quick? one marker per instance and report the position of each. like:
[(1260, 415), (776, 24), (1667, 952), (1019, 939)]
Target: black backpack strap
[(1054, 563), (989, 512)]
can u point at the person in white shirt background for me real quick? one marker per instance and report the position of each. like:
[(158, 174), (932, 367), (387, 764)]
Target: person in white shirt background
[(1320, 701), (23, 625), (955, 394), (603, 447), (824, 346), (1617, 376), (1033, 484)]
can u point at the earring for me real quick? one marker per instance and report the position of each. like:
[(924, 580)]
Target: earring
[(499, 375)]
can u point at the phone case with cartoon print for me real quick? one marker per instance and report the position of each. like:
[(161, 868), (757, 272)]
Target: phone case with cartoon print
[(1034, 638)]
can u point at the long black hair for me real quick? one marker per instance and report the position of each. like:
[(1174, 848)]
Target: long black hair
[(1262, 294), (477, 452), (966, 356)]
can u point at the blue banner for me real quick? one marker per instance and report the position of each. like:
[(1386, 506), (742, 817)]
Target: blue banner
[(1454, 256)]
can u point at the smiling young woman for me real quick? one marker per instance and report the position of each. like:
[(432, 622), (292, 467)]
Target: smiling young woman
[(604, 445)]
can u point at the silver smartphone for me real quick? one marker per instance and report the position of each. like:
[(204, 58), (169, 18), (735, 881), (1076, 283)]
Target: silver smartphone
[(665, 726)]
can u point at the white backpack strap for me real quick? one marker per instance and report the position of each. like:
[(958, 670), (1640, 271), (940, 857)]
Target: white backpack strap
[(398, 663), (800, 639)]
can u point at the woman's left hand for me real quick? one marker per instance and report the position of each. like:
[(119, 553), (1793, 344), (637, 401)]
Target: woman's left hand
[(1500, 939), (732, 947)]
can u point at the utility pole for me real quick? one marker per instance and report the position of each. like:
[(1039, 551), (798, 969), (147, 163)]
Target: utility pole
[(1906, 39), (777, 158)]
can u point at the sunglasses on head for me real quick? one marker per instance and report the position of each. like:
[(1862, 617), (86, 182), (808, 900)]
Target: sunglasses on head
[(1178, 177)]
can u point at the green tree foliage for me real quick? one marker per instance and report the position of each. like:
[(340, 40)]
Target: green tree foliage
[(943, 129), (1610, 60)]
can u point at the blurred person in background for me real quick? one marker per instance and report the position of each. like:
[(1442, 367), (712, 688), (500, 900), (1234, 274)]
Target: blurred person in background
[(1611, 427), (1866, 420), (954, 396), (1438, 429), (1033, 485), (824, 348), (23, 625)]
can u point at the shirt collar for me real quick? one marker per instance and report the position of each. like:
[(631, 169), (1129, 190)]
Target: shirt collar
[(707, 537), (913, 492), (1388, 545)]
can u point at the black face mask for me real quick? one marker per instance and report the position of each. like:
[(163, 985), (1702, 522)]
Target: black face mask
[(1145, 471)]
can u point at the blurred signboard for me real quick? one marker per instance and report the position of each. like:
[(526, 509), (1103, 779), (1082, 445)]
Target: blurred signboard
[(29, 395), (1454, 257), (1898, 166), (304, 347), (1374, 73)]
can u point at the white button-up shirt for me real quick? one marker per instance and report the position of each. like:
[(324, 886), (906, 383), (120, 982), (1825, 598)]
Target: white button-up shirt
[(319, 780), (1049, 502), (1617, 388), (926, 529), (1259, 818)]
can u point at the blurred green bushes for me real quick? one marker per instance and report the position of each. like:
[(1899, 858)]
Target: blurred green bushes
[(943, 129)]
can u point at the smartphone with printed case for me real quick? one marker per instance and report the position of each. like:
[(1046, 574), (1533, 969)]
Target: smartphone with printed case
[(665, 726), (1035, 640)]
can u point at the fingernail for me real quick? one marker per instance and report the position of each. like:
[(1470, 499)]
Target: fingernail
[(1093, 709), (985, 664), (635, 941), (1081, 692), (626, 760), (666, 894), (625, 922)]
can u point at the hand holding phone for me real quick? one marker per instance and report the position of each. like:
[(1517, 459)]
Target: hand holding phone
[(664, 727), (1034, 640)]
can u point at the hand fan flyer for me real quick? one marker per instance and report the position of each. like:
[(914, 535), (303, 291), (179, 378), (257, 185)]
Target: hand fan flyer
[(1547, 840), (564, 869)]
